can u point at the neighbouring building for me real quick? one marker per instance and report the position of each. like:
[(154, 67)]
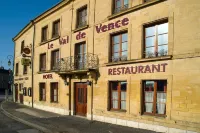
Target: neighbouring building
[(4, 80), (128, 62)]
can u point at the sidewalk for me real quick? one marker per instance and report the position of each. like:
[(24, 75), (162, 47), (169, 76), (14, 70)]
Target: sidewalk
[(50, 122)]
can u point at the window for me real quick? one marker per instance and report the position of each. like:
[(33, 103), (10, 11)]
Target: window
[(20, 87), (42, 92), (54, 92), (82, 17), (29, 91), (25, 70), (44, 34), (54, 59), (156, 40), (154, 97), (17, 69), (118, 95), (24, 91), (80, 56), (43, 62), (22, 46), (119, 47), (120, 5), (56, 29)]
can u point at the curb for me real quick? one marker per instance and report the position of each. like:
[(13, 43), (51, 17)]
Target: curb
[(43, 129)]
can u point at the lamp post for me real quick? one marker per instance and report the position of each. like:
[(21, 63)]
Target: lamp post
[(11, 73)]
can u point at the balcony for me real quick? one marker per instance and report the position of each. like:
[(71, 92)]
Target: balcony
[(77, 64)]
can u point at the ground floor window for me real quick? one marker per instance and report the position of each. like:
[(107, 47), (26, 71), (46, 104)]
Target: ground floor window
[(42, 92), (154, 97), (118, 95), (54, 92)]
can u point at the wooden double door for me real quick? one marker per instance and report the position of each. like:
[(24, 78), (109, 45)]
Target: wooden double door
[(81, 99)]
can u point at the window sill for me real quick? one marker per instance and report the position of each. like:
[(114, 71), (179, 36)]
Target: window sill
[(117, 111), (81, 28), (148, 115), (168, 57), (135, 8), (42, 100), (44, 71), (52, 39), (55, 102)]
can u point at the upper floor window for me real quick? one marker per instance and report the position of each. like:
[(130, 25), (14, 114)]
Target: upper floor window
[(154, 97), (56, 29), (25, 69), (120, 5), (43, 62), (156, 40), (119, 47), (82, 17), (22, 46), (54, 59), (118, 95), (44, 34), (17, 69)]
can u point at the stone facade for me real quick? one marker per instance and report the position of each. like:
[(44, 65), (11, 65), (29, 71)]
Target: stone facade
[(181, 69)]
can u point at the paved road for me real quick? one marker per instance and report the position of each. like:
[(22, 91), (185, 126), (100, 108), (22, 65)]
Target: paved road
[(8, 125)]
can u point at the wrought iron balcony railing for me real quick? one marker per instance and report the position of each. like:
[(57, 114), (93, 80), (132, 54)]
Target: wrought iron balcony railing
[(77, 62)]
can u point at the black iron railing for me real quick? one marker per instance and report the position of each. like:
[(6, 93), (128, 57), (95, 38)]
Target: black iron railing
[(78, 62)]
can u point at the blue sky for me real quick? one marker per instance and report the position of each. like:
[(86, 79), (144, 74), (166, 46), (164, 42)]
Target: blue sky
[(14, 15)]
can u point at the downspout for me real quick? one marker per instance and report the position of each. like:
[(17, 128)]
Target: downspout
[(70, 77), (13, 74), (32, 61), (93, 55)]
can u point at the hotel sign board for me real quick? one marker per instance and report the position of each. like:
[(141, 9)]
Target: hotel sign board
[(137, 69), (25, 62)]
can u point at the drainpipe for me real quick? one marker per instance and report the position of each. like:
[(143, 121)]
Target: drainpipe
[(32, 61), (13, 74), (93, 55), (70, 77), (70, 95)]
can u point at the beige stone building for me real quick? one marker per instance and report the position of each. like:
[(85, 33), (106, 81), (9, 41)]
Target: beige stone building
[(128, 62)]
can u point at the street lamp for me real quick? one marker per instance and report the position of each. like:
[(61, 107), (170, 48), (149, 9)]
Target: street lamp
[(11, 76), (9, 63)]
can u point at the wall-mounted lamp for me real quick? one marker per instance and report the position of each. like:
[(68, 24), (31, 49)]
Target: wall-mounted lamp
[(66, 83), (89, 82)]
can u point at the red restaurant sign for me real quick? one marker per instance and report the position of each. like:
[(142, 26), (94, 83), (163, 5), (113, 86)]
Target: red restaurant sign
[(138, 69)]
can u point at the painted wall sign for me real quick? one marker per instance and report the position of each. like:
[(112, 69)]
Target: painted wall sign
[(80, 35), (138, 69), (48, 76), (25, 61), (64, 40), (21, 79), (50, 46), (110, 26)]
